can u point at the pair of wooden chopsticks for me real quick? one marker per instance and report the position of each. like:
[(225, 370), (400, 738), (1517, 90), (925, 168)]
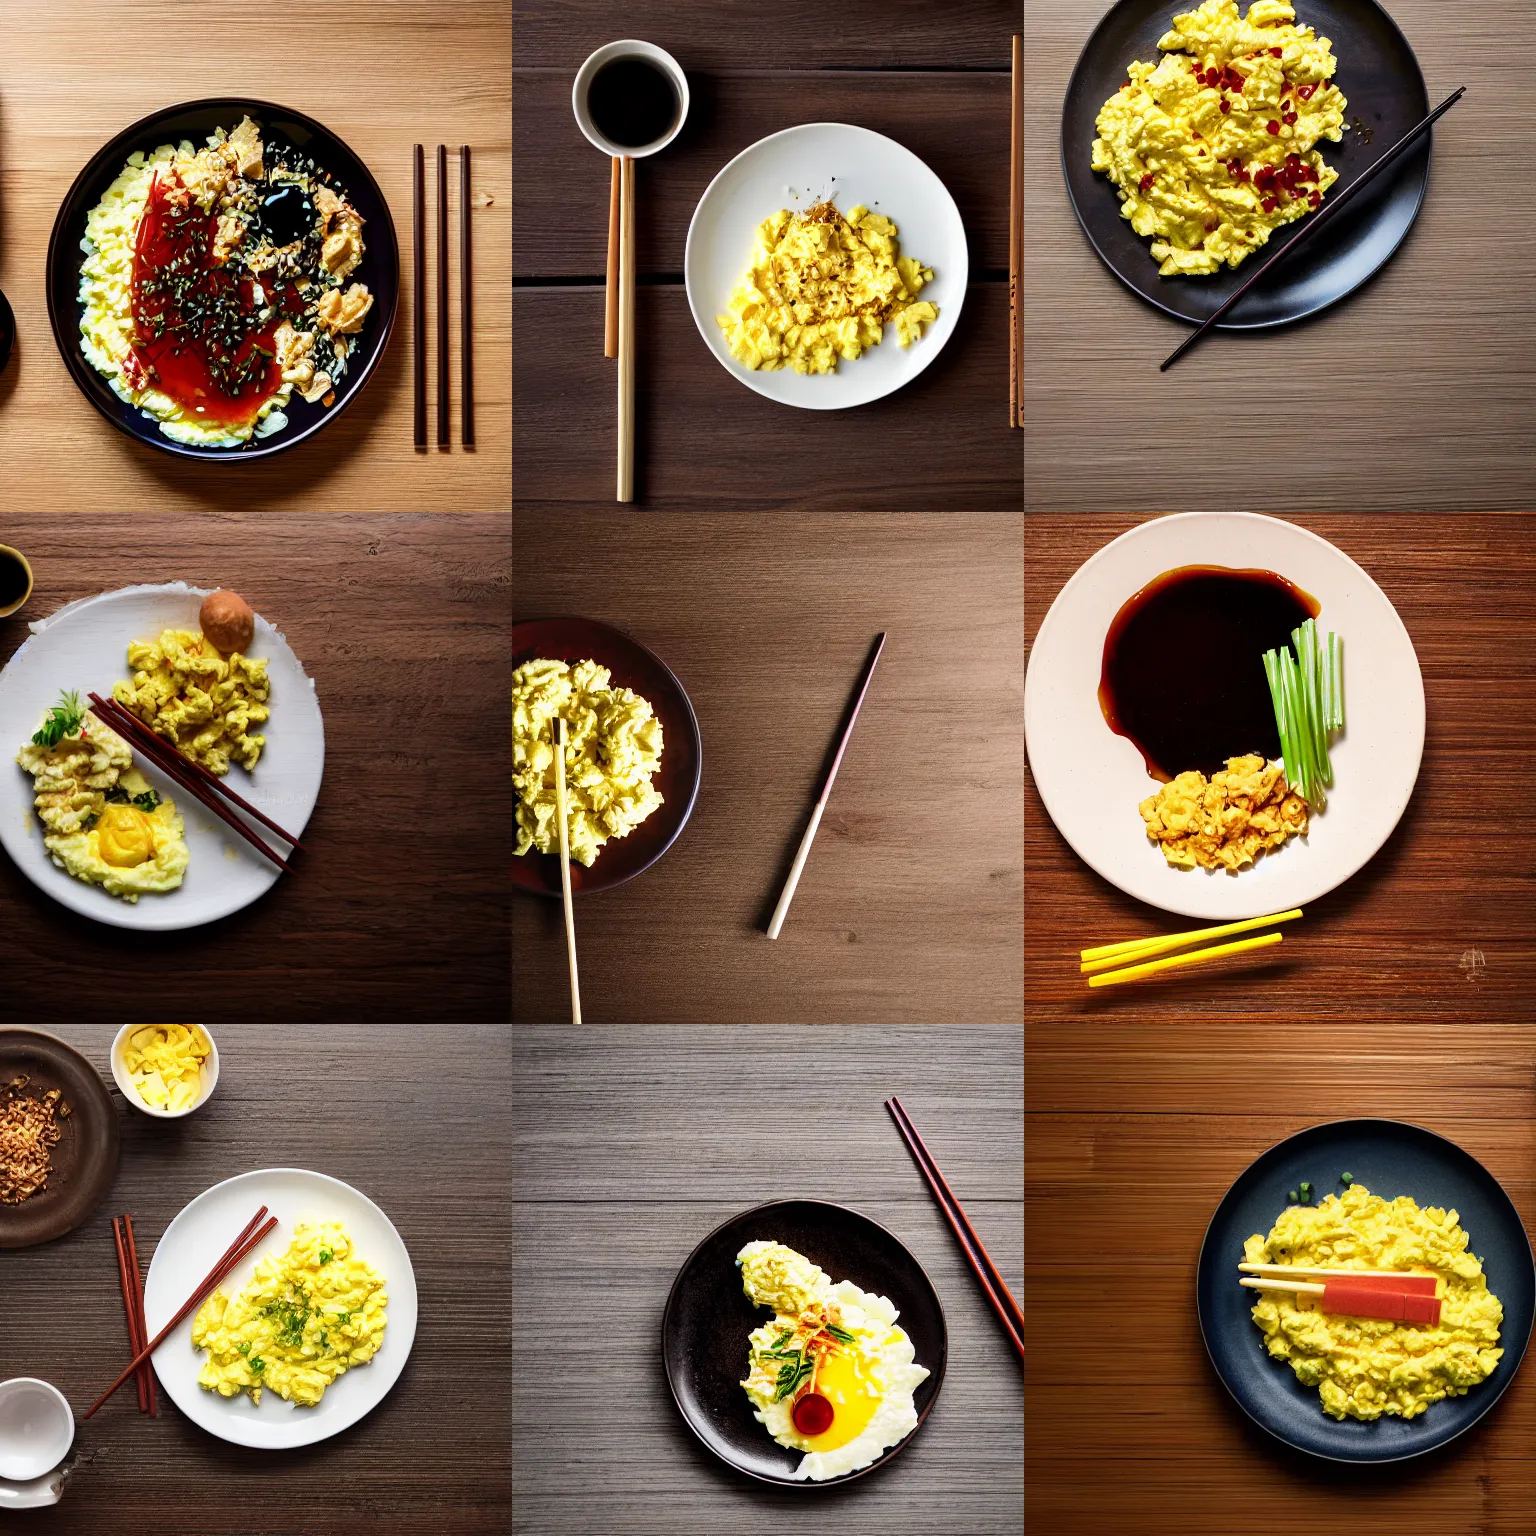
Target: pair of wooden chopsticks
[(133, 1306), (254, 1233), (192, 777), (1109, 964), (619, 312), (466, 302), (1009, 1313), (1016, 246)]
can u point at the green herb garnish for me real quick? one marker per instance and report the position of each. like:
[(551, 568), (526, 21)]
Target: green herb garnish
[(1346, 1179), (841, 1335), (147, 802), (1291, 1196), (326, 1255), (1306, 1191), (257, 1364), (1307, 691), (63, 720)]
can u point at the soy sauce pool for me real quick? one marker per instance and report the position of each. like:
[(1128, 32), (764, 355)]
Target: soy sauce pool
[(632, 102), (1183, 673)]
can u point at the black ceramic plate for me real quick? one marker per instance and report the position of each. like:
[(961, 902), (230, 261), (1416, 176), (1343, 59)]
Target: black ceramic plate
[(84, 1159), (195, 120), (1385, 90), (708, 1317), (682, 753), (1389, 1159)]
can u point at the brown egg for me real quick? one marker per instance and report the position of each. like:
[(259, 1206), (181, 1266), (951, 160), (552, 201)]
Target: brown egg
[(227, 621)]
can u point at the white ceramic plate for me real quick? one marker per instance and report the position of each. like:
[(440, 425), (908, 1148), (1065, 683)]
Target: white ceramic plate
[(1092, 780), (851, 165), (196, 1240), (84, 647)]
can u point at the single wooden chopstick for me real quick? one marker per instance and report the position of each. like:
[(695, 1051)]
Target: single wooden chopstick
[(466, 307), (1174, 962), (565, 871), (212, 780), (170, 762), (419, 298), (1317, 221), (994, 1287), (626, 465), (135, 1338), (611, 307), (236, 1251), (1016, 245), (138, 1307), (1108, 955), (442, 296), (787, 895)]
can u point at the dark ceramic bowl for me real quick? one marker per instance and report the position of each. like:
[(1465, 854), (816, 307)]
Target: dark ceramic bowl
[(195, 120), (708, 1318), (682, 753), (1389, 1159), (1385, 91)]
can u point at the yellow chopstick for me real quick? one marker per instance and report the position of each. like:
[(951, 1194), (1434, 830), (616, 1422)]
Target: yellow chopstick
[(1117, 954), (1135, 972)]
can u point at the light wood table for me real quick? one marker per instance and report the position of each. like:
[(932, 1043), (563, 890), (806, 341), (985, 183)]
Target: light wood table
[(911, 905), (383, 77), (630, 1146), (1404, 994), (1413, 394), (432, 1150)]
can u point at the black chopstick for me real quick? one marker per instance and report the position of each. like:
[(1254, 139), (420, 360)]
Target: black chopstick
[(1317, 221), (419, 298), (466, 309), (442, 296)]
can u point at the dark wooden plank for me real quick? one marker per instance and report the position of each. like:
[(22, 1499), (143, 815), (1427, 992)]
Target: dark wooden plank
[(911, 905), (560, 200), (399, 909), (599, 1236), (796, 34), (356, 1103), (705, 441)]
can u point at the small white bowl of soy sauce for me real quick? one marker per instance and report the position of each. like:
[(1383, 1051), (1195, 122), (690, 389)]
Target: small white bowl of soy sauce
[(630, 98)]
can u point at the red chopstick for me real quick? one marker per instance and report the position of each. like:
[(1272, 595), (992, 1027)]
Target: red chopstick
[(135, 1338), (138, 1308), (993, 1286), (172, 763), (236, 1251), (419, 298)]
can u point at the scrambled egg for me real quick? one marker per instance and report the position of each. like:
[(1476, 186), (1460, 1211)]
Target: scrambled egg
[(1366, 1367), (1225, 822), (102, 823), (164, 1062), (302, 1319), (833, 1342), (612, 748), (1213, 148), (199, 700), (822, 287)]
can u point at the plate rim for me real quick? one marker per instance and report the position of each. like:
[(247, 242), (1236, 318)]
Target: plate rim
[(747, 377), (1508, 1376), (1242, 327), (891, 1452), (69, 351)]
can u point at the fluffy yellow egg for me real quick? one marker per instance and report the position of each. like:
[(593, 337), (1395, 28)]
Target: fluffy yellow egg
[(164, 1062)]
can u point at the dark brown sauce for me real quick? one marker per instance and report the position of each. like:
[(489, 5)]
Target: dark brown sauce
[(1183, 676), (13, 579), (632, 102)]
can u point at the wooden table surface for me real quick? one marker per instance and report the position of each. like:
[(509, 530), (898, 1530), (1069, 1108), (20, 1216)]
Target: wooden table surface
[(1403, 994), (432, 1149), (630, 1146), (383, 76), (1413, 394), (910, 908), (398, 911), (934, 78)]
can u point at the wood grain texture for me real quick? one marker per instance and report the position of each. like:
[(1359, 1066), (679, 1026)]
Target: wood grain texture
[(352, 1102), (604, 1122), (1405, 995), (911, 903), (1413, 394), (393, 73), (399, 909)]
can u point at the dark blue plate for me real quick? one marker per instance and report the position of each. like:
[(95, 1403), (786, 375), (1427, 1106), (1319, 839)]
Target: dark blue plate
[(195, 120), (1389, 1159), (1385, 91)]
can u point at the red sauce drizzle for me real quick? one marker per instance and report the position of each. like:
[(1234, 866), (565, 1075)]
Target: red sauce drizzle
[(812, 1414)]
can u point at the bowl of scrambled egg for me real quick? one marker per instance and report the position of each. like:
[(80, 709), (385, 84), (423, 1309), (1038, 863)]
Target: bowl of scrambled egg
[(826, 266), (165, 1070)]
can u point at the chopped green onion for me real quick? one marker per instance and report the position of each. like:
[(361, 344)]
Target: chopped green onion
[(1346, 1178), (1291, 1196)]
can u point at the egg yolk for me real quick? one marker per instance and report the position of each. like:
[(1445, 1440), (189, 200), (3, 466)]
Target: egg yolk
[(124, 836), (853, 1397)]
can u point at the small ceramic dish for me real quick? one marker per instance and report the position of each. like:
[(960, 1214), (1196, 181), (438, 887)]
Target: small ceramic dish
[(209, 1075), (36, 1428)]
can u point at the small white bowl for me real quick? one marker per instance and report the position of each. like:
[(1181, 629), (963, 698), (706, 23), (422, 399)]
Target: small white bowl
[(628, 48), (36, 1428), (209, 1075)]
